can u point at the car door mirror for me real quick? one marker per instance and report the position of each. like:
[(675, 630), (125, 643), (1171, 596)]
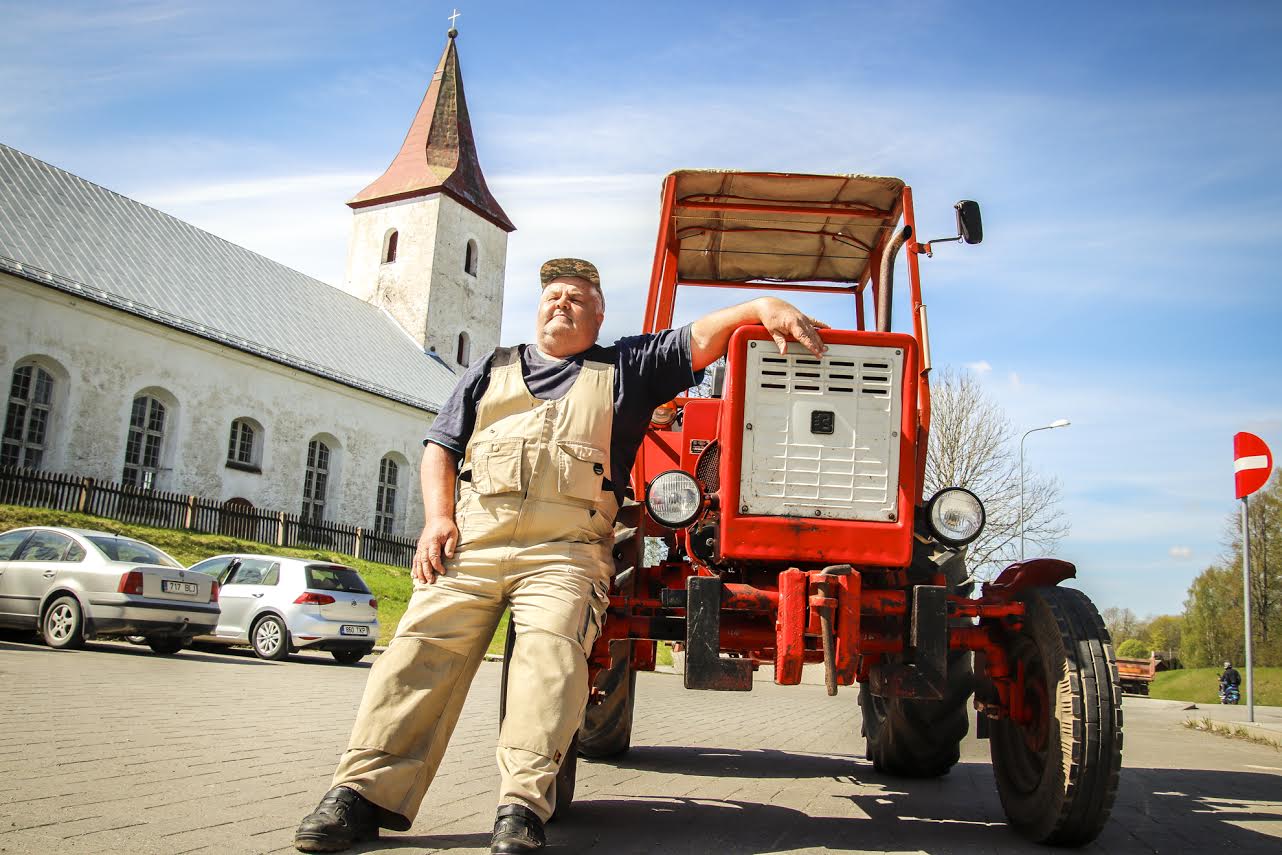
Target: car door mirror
[(969, 223)]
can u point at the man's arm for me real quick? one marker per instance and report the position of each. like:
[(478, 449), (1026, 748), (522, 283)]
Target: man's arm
[(440, 534), (710, 335)]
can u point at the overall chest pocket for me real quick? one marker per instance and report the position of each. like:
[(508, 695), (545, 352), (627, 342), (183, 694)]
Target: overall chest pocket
[(496, 466), (580, 469)]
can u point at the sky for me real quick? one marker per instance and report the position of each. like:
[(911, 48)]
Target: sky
[(1127, 158)]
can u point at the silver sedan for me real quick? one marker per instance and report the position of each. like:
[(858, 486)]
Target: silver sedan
[(73, 584), (277, 604)]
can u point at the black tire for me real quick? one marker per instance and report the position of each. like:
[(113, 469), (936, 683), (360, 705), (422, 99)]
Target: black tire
[(607, 726), (166, 645), (349, 657), (269, 638), (1057, 777), (916, 738), (63, 624), (568, 773)]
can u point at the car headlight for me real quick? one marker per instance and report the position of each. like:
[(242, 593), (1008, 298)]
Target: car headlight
[(956, 516), (674, 498)]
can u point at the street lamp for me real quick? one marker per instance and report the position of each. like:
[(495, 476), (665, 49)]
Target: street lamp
[(1058, 423)]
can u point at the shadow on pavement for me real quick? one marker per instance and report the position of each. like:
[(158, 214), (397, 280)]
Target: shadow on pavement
[(719, 762), (26, 641)]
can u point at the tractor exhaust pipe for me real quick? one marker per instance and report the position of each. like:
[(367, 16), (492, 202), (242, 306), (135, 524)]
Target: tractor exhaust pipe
[(886, 281)]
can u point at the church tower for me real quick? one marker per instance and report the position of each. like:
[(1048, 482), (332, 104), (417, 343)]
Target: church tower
[(429, 240)]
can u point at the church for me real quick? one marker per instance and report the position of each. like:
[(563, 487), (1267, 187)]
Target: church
[(141, 349)]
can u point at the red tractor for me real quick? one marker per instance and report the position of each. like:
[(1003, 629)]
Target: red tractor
[(791, 505)]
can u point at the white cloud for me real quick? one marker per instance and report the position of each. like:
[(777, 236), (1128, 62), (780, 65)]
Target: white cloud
[(1015, 382), (1181, 552), (981, 367)]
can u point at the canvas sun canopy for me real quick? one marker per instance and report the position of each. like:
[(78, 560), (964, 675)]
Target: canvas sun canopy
[(777, 227)]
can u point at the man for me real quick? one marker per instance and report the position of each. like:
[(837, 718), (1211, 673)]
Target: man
[(523, 472), (1229, 677)]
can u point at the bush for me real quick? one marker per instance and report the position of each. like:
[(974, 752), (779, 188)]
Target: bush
[(1133, 648)]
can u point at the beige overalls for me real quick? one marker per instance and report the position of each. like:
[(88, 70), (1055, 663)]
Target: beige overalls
[(535, 532)]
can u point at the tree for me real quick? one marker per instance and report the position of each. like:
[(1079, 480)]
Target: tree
[(1133, 648), (1213, 618), (973, 445), (1120, 623), (1164, 634)]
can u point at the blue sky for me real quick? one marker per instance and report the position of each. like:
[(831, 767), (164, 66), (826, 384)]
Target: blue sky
[(1127, 157)]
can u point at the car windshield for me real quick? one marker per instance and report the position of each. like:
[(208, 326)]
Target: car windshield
[(335, 577), (132, 551)]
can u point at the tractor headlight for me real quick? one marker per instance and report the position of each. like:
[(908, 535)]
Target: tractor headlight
[(674, 498), (956, 516)]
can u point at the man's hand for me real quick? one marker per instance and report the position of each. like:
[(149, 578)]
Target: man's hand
[(435, 544), (710, 334), (784, 321)]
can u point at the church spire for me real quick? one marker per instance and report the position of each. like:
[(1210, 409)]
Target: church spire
[(439, 152)]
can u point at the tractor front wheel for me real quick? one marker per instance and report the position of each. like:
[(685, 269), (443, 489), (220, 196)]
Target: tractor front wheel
[(607, 726), (1057, 775)]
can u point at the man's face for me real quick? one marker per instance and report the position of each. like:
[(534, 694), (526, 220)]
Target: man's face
[(569, 316)]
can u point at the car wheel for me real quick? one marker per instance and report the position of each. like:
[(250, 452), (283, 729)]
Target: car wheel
[(166, 645), (63, 626), (269, 638), (349, 657)]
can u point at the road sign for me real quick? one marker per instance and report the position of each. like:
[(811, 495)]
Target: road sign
[(1252, 463)]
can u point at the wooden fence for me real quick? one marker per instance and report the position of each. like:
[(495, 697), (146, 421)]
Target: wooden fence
[(61, 492)]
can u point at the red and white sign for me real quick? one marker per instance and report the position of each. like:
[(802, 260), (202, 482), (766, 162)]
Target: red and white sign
[(1252, 463)]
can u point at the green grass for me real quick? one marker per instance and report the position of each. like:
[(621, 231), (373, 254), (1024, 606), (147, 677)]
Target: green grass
[(391, 585), (1202, 685)]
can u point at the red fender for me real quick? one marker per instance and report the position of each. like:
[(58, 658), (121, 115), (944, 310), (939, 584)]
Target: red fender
[(1034, 573)]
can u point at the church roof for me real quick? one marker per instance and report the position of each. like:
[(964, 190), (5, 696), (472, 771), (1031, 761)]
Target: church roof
[(439, 152), (59, 230)]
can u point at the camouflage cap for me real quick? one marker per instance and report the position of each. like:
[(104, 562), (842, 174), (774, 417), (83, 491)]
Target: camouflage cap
[(569, 267)]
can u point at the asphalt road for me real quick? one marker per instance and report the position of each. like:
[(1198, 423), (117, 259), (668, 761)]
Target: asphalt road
[(115, 750)]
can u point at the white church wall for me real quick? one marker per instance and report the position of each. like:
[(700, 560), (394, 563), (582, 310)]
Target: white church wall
[(400, 286), (462, 302), (103, 358)]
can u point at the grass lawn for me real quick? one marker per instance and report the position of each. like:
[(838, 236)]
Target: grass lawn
[(1202, 685)]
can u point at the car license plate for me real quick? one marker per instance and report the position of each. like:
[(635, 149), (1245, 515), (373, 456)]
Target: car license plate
[(347, 629), (170, 587)]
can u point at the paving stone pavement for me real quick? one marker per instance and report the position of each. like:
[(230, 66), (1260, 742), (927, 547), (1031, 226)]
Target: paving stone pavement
[(115, 750)]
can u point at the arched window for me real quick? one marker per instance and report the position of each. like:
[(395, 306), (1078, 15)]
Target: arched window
[(315, 481), (385, 502), (471, 258), (389, 245), (244, 446), (26, 422), (146, 442), (464, 354)]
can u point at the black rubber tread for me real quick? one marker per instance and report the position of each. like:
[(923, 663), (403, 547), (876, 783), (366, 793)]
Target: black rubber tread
[(166, 646), (916, 738), (568, 773), (1073, 797), (607, 726), (77, 639)]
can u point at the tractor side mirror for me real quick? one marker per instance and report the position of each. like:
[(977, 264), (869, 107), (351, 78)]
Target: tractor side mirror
[(969, 224)]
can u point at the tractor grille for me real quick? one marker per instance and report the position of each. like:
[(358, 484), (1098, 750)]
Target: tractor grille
[(821, 435)]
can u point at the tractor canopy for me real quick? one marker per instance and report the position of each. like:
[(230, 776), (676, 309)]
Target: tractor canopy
[(780, 227)]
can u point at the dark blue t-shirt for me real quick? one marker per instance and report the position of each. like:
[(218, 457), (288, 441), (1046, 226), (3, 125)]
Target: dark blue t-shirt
[(649, 370)]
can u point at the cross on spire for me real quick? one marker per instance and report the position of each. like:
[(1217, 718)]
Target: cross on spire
[(453, 17)]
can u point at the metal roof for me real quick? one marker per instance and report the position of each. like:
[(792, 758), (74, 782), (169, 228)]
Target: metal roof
[(59, 230)]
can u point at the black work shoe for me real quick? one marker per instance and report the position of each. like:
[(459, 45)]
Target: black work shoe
[(517, 830), (342, 818)]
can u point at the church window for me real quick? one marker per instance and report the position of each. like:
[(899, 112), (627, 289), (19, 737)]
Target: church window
[(385, 502), (26, 422), (145, 443), (390, 240), (244, 445), (464, 354), (470, 258), (315, 481)]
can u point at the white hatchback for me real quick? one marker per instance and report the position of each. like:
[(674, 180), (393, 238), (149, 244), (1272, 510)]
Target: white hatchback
[(278, 605)]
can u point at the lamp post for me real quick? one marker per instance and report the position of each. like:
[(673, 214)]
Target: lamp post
[(1058, 423)]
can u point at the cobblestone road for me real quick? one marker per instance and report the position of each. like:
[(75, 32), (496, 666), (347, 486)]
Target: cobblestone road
[(115, 750)]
